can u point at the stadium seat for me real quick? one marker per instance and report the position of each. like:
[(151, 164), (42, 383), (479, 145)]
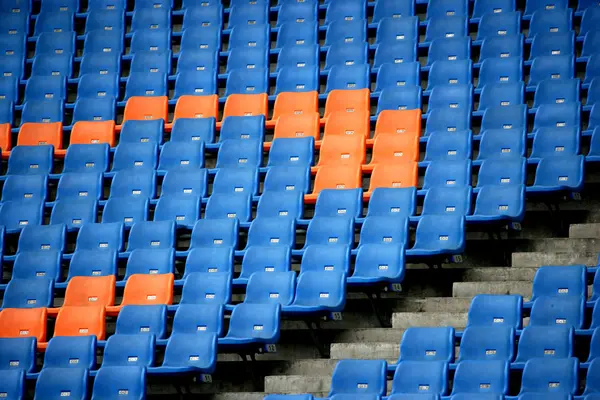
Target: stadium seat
[(215, 233), (420, 377), (552, 44), (505, 117), (12, 383), (564, 311), (71, 352), (551, 21), (398, 122), (74, 213), (396, 53), (485, 343), (427, 344), (132, 182), (129, 350), (193, 129), (264, 259), (454, 174), (448, 146), (395, 149), (209, 260), (104, 263), (229, 205), (25, 188), (240, 153), (348, 77), (592, 379), (550, 142), (135, 320), (496, 310), (560, 281), (188, 181), (449, 73), (446, 27), (498, 24), (57, 382), (387, 8), (291, 33), (135, 155), (398, 98), (253, 323), (287, 204), (481, 376), (211, 288), (37, 264), (501, 94), (125, 210), (88, 158), (501, 47), (498, 202), (129, 379), (15, 215), (551, 67), (359, 377), (344, 54), (545, 341), (46, 110), (272, 287), (146, 108), (441, 200), (150, 262), (502, 172), (505, 70), (560, 173), (272, 232), (550, 375), (439, 234), (88, 132), (449, 49)]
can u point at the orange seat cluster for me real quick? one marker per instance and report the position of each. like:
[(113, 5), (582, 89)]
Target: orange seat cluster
[(88, 300)]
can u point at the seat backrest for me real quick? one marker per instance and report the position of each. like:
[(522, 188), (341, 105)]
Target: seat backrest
[(71, 352), (545, 341), (134, 320), (427, 344), (496, 310), (551, 375), (477, 376), (148, 289), (81, 321), (359, 377)]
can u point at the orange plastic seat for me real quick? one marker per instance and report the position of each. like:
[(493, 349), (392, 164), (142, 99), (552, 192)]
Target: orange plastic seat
[(90, 291), (246, 105), (35, 134), (23, 322), (335, 177), (394, 176), (295, 126), (197, 107), (348, 101), (93, 132), (81, 321), (342, 123), (145, 289), (395, 149), (5, 139), (398, 122), (343, 150), (147, 107), (295, 103)]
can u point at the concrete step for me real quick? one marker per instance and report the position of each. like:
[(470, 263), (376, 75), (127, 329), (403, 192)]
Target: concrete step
[(584, 231), (560, 245), (366, 351), (291, 384), (406, 319), (314, 367), (383, 335), (498, 274), (537, 259), (470, 289)]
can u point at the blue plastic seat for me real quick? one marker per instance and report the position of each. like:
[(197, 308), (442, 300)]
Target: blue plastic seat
[(560, 173), (376, 231), (395, 53), (392, 76), (46, 110), (198, 60), (496, 310), (359, 377), (589, 21), (204, 16), (348, 11), (135, 155), (155, 40), (243, 127), (449, 49), (195, 83), (392, 202), (98, 262), (182, 156), (557, 92), (550, 142), (142, 319), (236, 180), (264, 259), (151, 19), (6, 112), (88, 158), (297, 34), (100, 236), (215, 233), (438, 8), (17, 6), (15, 215), (152, 236), (399, 98), (51, 22), (129, 350), (77, 185), (15, 23), (146, 84), (201, 38), (287, 204), (378, 263), (344, 54), (323, 258), (42, 238), (60, 5), (298, 12), (155, 261), (451, 96), (275, 287), (505, 117), (342, 31), (439, 234), (100, 64), (30, 160), (545, 342), (392, 30), (592, 389), (28, 293), (503, 70), (563, 311), (501, 47), (126, 210), (132, 182), (13, 383), (348, 77), (56, 382), (330, 231), (229, 205), (96, 86), (292, 79), (551, 67), (52, 65), (13, 47), (503, 143), (151, 61), (501, 94), (448, 173), (248, 58), (272, 232), (250, 36), (25, 188), (534, 5), (487, 343), (553, 44), (193, 129), (188, 182), (71, 352), (448, 120), (209, 260), (421, 377), (110, 382), (446, 27), (247, 81), (11, 65), (17, 354), (427, 344), (339, 203), (248, 14), (105, 19), (184, 210), (253, 323), (551, 21), (287, 179), (551, 375), (502, 172), (590, 43), (138, 131), (447, 200), (558, 115), (74, 212), (498, 24), (477, 376), (291, 152), (9, 86), (193, 344), (392, 9), (305, 56), (109, 43), (56, 43), (449, 73)]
